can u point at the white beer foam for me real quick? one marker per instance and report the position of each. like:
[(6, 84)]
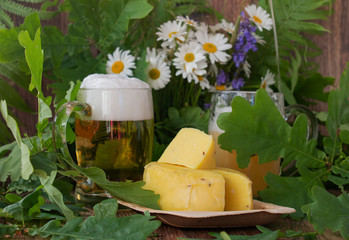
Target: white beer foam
[(107, 81), (116, 98)]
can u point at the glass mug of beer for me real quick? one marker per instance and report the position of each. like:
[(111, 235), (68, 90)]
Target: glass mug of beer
[(220, 102), (114, 129)]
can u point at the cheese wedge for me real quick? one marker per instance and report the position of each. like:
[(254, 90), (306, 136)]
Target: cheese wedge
[(184, 189), (191, 148), (238, 190)]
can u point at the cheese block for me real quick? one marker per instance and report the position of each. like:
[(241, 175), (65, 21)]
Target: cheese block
[(191, 148), (185, 189), (238, 190)]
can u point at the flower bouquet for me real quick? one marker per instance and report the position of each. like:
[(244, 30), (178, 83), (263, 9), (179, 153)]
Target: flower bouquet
[(192, 58)]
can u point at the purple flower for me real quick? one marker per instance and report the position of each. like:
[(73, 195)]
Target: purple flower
[(237, 83), (222, 78), (245, 41), (207, 106)]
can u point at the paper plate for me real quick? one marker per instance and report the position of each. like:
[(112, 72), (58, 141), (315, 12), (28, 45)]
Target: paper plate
[(263, 213)]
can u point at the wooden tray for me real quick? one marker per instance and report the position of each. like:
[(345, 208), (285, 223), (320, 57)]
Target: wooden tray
[(263, 213)]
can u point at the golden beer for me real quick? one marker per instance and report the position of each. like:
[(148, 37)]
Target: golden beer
[(117, 134), (120, 148)]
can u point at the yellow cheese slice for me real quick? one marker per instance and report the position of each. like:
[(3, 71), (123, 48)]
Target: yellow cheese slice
[(191, 148), (238, 190), (184, 189)]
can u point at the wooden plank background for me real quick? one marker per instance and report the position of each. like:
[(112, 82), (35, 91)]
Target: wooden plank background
[(335, 47)]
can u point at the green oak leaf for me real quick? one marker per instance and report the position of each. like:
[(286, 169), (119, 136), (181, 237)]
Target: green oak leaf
[(103, 225), (26, 208), (12, 198), (54, 194), (261, 129), (34, 57), (20, 161), (128, 191), (9, 164), (7, 229), (287, 191), (344, 136), (329, 211), (341, 168)]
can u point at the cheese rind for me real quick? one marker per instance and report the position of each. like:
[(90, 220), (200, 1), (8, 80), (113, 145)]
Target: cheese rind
[(238, 190), (191, 148), (184, 189)]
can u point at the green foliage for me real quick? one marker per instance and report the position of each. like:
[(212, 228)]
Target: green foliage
[(31, 51), (13, 64), (19, 157), (294, 20), (7, 229), (166, 130), (248, 130), (101, 26), (264, 125), (104, 225), (26, 208), (36, 156), (23, 10), (329, 211)]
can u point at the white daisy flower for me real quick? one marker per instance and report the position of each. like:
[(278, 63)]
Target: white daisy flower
[(202, 26), (187, 21), (204, 83), (121, 62), (158, 73), (215, 28), (195, 74), (191, 36), (153, 53), (189, 55), (227, 26), (214, 46), (170, 32), (267, 81), (259, 39), (260, 17), (247, 68), (212, 70)]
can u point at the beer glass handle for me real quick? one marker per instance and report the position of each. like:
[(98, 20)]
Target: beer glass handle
[(313, 126), (59, 129)]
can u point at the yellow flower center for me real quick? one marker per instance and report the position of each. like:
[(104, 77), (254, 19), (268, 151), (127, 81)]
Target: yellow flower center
[(154, 73), (200, 78), (221, 87), (117, 67), (172, 33), (257, 19), (264, 84), (189, 57), (209, 47)]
